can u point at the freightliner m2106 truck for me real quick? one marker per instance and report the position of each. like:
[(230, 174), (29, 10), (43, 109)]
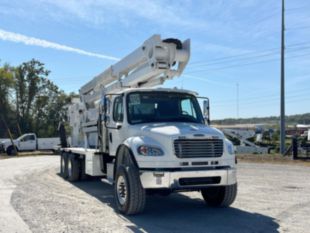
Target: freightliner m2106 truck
[(146, 140)]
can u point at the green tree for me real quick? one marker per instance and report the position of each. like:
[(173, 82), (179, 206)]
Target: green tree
[(29, 83), (6, 85), (49, 109), (30, 100)]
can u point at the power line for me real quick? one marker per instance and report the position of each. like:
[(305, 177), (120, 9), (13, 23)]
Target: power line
[(297, 28), (245, 64), (292, 99), (245, 55), (291, 51), (250, 100), (231, 57), (233, 60), (297, 8)]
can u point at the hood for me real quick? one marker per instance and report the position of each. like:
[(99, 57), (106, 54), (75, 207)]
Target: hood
[(4, 141), (7, 142), (175, 129)]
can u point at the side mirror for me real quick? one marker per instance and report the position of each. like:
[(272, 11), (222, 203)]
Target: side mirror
[(104, 110), (206, 111), (118, 125)]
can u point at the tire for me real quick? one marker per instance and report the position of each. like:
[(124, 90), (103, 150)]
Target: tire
[(11, 151), (73, 168), (64, 165), (128, 191), (221, 196), (83, 175)]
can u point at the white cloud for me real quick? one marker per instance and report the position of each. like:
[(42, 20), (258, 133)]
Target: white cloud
[(19, 38), (126, 12)]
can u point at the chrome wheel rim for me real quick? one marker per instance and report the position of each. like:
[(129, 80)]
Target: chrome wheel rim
[(62, 165), (121, 189), (69, 168)]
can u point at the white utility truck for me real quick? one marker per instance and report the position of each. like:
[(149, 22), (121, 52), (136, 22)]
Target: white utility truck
[(145, 140), (28, 142)]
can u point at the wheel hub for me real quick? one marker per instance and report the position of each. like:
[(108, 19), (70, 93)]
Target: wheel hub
[(69, 168), (121, 190), (62, 164)]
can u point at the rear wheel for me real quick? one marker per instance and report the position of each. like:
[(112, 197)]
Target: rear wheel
[(220, 196), (83, 175), (73, 168), (64, 165)]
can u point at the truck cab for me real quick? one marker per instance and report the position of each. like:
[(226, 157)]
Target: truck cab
[(165, 131), (166, 128)]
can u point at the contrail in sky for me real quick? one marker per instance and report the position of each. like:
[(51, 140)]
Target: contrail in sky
[(19, 38)]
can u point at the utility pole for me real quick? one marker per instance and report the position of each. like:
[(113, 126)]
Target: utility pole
[(10, 135), (282, 118), (19, 130)]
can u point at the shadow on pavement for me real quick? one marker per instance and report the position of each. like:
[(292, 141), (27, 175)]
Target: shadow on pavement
[(180, 213)]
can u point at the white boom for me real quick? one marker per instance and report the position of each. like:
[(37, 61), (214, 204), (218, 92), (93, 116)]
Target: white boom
[(155, 61)]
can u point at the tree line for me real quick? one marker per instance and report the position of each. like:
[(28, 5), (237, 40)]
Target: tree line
[(292, 120), (29, 101)]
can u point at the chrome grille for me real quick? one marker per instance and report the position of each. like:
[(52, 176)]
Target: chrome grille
[(197, 148)]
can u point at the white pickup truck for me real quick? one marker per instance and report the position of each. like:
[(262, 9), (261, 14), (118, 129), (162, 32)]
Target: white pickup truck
[(28, 142)]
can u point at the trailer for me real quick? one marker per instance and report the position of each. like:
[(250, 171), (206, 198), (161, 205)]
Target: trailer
[(144, 140)]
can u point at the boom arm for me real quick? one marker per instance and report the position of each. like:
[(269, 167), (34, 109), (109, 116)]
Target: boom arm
[(149, 65)]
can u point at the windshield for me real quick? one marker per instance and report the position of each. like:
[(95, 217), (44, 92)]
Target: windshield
[(162, 107)]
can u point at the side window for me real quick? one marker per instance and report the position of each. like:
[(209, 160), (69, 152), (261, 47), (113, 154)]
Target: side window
[(28, 138), (187, 108), (118, 114)]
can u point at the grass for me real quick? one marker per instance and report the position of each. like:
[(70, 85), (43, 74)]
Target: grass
[(272, 158)]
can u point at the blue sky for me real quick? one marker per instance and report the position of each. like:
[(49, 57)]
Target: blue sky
[(234, 43)]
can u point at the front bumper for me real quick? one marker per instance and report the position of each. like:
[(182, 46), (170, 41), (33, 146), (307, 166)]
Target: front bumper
[(187, 179)]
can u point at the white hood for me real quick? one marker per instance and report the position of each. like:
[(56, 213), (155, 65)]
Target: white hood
[(7, 142), (175, 129)]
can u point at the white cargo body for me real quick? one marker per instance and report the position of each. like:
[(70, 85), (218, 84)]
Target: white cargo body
[(47, 143)]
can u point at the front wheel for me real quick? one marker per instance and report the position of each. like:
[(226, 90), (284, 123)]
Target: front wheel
[(128, 191), (220, 196), (11, 150)]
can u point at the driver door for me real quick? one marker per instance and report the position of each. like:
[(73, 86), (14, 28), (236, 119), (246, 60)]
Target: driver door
[(116, 133), (28, 143)]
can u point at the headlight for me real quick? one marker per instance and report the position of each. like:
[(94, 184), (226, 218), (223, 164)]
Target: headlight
[(230, 147), (150, 151)]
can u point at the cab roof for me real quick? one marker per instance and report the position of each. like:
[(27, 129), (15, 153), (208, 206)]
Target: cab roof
[(153, 89)]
